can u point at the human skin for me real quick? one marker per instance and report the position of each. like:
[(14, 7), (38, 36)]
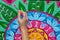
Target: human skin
[(23, 24)]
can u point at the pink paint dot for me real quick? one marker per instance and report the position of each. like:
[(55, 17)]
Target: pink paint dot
[(24, 1), (58, 3), (48, 1), (9, 1)]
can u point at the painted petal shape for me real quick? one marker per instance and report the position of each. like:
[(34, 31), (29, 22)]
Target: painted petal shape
[(51, 9), (1, 35), (57, 15), (3, 24), (40, 6), (21, 6), (7, 12), (36, 5)]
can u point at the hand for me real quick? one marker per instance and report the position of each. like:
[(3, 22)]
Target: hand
[(22, 21), (23, 24)]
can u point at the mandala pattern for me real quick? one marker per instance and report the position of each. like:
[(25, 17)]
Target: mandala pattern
[(39, 24), (43, 24)]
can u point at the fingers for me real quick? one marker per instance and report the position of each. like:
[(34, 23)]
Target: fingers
[(24, 15), (19, 15), (20, 12)]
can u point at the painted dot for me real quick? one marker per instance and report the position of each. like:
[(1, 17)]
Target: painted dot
[(33, 8), (37, 1), (33, 3), (38, 6)]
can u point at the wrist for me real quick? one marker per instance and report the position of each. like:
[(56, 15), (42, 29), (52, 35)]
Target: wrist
[(23, 27)]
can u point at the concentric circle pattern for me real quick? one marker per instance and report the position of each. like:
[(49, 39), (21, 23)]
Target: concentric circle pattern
[(41, 26), (39, 31)]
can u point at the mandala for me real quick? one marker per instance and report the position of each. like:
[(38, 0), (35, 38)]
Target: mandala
[(43, 19), (41, 26)]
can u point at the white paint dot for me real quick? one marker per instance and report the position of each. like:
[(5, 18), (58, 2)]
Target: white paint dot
[(33, 8), (6, 10), (33, 3), (38, 1), (38, 6), (5, 14), (11, 13)]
